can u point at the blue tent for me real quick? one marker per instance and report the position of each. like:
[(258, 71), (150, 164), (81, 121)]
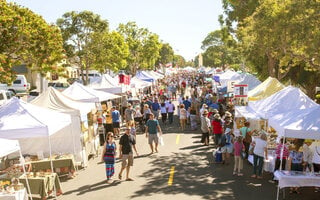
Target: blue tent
[(145, 77)]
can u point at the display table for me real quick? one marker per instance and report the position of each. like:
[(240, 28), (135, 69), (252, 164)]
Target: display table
[(269, 164), (42, 185), (297, 179), (17, 195), (63, 162)]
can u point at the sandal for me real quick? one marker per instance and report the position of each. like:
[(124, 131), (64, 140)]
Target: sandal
[(129, 179), (240, 174), (119, 176)]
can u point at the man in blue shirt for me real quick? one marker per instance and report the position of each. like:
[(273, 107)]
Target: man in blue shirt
[(155, 108), (116, 121), (152, 126)]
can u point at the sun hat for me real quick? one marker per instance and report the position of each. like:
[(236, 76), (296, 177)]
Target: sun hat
[(227, 113), (217, 116), (215, 111), (205, 112)]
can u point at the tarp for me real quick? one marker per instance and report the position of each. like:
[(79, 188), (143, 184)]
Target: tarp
[(287, 99), (304, 124), (80, 92), (145, 76), (249, 79), (247, 112), (107, 84), (265, 89), (8, 147)]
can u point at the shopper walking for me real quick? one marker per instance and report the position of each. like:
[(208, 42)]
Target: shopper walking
[(109, 155), (152, 128)]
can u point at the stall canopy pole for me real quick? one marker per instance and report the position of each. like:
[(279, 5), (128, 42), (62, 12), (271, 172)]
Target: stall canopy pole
[(51, 163), (24, 171), (281, 157)]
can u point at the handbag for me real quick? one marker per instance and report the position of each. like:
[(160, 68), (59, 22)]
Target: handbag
[(161, 142)]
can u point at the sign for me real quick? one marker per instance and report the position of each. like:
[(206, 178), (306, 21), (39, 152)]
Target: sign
[(230, 86), (241, 94), (240, 90)]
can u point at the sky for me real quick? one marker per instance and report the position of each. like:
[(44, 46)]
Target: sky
[(183, 24)]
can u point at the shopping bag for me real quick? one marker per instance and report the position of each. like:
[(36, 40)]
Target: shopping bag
[(161, 142)]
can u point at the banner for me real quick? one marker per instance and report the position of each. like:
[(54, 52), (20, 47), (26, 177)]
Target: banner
[(241, 94)]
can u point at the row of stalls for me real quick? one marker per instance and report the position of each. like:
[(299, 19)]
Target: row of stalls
[(56, 132)]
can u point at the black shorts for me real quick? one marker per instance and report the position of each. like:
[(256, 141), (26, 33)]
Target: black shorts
[(116, 125)]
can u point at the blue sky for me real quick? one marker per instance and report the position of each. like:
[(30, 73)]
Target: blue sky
[(181, 23)]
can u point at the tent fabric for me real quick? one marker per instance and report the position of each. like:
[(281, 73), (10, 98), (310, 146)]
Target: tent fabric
[(249, 79), (304, 124), (20, 120), (145, 77), (138, 83), (80, 92), (156, 74), (265, 89), (229, 76), (8, 147), (107, 84), (287, 99), (247, 112), (55, 100)]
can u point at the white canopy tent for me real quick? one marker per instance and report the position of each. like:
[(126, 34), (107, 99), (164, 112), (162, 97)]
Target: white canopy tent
[(55, 100), (138, 83), (287, 99), (228, 76), (80, 92), (107, 84), (24, 122), (156, 74), (8, 147), (249, 79)]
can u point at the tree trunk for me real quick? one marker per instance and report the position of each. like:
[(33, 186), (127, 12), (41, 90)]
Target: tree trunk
[(271, 65)]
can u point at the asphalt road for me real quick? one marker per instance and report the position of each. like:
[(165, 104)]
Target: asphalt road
[(183, 169)]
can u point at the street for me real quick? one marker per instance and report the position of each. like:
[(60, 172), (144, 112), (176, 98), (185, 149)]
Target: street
[(183, 169)]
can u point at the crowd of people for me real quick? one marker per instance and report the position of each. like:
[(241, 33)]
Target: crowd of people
[(198, 106)]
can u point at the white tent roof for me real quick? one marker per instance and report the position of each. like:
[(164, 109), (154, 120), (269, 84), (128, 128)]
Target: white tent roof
[(287, 99), (8, 147), (156, 74), (80, 92), (265, 89), (247, 112), (249, 79), (55, 100), (107, 84), (229, 76), (21, 120), (138, 83), (303, 124)]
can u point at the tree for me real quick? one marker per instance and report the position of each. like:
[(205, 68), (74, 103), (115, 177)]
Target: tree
[(77, 29), (144, 46), (166, 54), (179, 61), (109, 51), (26, 38)]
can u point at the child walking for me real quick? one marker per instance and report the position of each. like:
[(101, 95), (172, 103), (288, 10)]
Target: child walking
[(238, 161)]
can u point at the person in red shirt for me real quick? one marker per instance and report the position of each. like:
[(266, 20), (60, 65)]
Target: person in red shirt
[(217, 129)]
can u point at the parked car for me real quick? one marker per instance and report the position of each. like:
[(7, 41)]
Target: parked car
[(5, 95), (20, 85), (59, 85), (72, 80)]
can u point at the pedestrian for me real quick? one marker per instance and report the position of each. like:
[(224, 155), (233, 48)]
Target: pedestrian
[(109, 155), (146, 112), (129, 115), (152, 128), (307, 155), (126, 144), (164, 114), (247, 137), (183, 117), (316, 162), (171, 109), (260, 152), (295, 163), (217, 129), (238, 148), (227, 149), (155, 108), (205, 128), (116, 121)]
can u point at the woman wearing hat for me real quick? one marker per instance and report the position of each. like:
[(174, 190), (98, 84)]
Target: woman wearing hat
[(205, 128), (217, 129)]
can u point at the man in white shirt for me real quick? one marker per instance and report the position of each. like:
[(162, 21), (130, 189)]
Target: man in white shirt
[(171, 109)]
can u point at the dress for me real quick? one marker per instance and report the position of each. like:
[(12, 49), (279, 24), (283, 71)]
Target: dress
[(109, 159)]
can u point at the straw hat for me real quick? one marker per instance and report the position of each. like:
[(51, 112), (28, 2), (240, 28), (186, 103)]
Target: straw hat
[(227, 113), (205, 112), (215, 111), (217, 116)]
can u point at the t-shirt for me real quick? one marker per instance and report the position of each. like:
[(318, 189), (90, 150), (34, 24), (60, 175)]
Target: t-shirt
[(205, 124), (108, 117), (115, 116), (296, 157), (217, 127), (170, 108), (163, 109), (186, 104), (155, 106), (316, 155), (129, 114), (127, 141), (259, 147), (244, 131), (152, 126)]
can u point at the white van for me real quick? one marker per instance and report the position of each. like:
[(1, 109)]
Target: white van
[(20, 85)]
